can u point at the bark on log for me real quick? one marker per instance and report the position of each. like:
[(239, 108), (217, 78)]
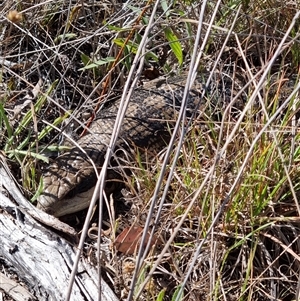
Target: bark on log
[(14, 290), (41, 258)]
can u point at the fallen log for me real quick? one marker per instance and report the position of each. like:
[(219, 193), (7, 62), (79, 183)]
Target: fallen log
[(40, 258)]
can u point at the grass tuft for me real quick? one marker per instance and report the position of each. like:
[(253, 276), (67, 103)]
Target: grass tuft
[(229, 220)]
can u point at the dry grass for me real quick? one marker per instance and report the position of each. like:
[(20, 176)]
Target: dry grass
[(226, 207)]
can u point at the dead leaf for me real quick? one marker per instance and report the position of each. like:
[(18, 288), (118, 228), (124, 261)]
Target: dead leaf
[(128, 241)]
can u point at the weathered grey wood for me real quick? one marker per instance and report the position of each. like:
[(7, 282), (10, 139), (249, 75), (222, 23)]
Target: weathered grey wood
[(41, 258), (15, 193), (14, 290)]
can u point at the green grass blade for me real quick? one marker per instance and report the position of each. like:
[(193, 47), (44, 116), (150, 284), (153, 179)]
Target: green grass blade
[(174, 44), (24, 123), (3, 118), (98, 63), (177, 296), (160, 296), (49, 128), (133, 47), (17, 152), (38, 191)]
